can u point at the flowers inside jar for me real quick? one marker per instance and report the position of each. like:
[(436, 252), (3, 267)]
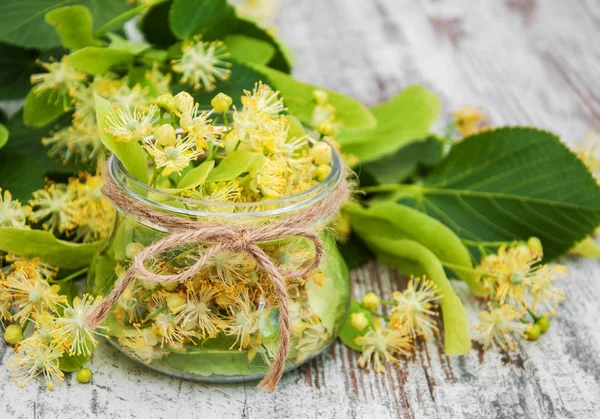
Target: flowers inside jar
[(224, 216)]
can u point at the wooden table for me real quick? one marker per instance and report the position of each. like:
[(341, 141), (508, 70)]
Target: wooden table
[(526, 62)]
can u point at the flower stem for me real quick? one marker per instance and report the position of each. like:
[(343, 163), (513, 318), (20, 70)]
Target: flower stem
[(70, 277)]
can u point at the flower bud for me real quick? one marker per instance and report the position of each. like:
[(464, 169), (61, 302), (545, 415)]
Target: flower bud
[(535, 244), (359, 321), (174, 301), (322, 171), (326, 128), (13, 334), (169, 286), (533, 333), (320, 96), (221, 103), (167, 102), (185, 101), (370, 301), (84, 375), (543, 323), (165, 135), (321, 153)]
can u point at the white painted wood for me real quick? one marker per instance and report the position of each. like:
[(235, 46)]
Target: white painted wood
[(526, 62)]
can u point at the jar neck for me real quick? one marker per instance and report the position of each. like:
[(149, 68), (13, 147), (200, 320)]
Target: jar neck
[(242, 213)]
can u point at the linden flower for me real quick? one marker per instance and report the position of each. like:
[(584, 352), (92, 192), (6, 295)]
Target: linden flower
[(5, 301), (34, 358), (500, 327), (272, 179), (127, 126), (198, 126), (141, 344), (470, 120), (173, 158), (263, 100), (544, 295), (72, 331), (171, 334), (243, 320), (202, 63), (12, 214), (314, 338), (197, 313), (60, 78), (160, 81), (381, 344), (50, 206), (230, 268), (293, 255), (413, 312), (77, 143), (132, 97), (31, 294)]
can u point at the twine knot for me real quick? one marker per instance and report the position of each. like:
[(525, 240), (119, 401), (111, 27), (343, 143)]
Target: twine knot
[(223, 237)]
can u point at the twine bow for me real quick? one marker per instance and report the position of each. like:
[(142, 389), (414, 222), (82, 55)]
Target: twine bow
[(224, 237)]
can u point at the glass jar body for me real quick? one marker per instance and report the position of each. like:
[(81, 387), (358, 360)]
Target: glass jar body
[(223, 324)]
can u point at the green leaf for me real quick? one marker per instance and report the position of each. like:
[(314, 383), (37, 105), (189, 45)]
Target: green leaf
[(391, 220), (72, 363), (210, 18), (235, 164), (196, 176), (24, 162), (588, 248), (131, 154), (246, 49), (294, 127), (97, 61), (298, 98), (42, 244), (3, 135), (74, 26), (456, 324), (400, 121), (22, 22), (282, 59), (44, 107), (511, 184), (403, 164), (348, 333), (155, 26), (16, 67)]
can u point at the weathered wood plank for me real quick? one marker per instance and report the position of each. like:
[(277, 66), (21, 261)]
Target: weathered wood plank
[(526, 62)]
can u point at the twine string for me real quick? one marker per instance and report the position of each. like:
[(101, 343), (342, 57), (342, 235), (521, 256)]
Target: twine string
[(224, 237)]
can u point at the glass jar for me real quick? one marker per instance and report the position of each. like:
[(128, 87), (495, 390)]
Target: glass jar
[(222, 325)]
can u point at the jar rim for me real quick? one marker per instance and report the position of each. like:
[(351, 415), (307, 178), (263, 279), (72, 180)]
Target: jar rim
[(125, 181)]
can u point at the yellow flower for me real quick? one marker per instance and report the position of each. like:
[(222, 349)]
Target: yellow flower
[(31, 293), (382, 344), (470, 120), (243, 319), (263, 100), (198, 126), (273, 179), (314, 338), (170, 333), (371, 301), (198, 313), (127, 126), (173, 158), (230, 268), (544, 295), (359, 321), (141, 343), (77, 143), (50, 206), (202, 63), (159, 80), (60, 78), (414, 310), (34, 358), (500, 327), (12, 214), (221, 102), (72, 331)]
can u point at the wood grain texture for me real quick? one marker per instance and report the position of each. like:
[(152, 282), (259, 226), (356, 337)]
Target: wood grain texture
[(526, 62)]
